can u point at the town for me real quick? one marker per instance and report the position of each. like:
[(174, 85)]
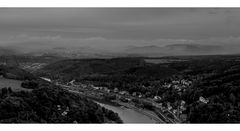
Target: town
[(153, 107)]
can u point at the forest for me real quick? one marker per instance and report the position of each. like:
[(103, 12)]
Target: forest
[(51, 104), (215, 78)]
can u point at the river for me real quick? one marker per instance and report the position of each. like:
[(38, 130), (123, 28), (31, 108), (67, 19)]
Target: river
[(128, 115)]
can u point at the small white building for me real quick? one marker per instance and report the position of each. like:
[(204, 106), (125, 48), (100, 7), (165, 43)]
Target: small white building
[(183, 102), (115, 90), (169, 106), (202, 99), (96, 88), (134, 94), (124, 92), (72, 82), (157, 98)]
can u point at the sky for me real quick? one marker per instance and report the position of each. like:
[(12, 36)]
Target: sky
[(117, 27)]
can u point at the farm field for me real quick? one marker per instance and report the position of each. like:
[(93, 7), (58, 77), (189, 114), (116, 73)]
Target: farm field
[(14, 84)]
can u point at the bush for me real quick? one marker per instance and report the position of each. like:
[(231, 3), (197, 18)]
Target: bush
[(30, 84)]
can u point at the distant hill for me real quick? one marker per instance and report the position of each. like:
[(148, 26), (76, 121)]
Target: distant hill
[(7, 51), (15, 73), (176, 49), (157, 71), (87, 52), (72, 69), (146, 51), (196, 48), (84, 67), (77, 52)]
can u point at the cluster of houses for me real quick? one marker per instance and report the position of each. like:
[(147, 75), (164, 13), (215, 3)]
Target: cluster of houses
[(178, 84), (203, 100), (64, 112), (32, 66), (178, 110), (125, 96)]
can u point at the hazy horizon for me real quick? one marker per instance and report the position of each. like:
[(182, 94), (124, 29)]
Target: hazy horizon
[(117, 29)]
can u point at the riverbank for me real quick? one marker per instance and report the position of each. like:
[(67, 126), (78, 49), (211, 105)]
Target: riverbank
[(128, 115), (117, 104)]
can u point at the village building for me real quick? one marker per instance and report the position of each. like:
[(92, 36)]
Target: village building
[(115, 90), (134, 94), (203, 100), (157, 98), (124, 92), (169, 106)]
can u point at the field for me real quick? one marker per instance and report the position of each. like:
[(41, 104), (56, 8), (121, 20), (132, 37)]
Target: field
[(14, 84)]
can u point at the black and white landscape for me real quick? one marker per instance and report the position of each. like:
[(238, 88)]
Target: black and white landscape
[(119, 65)]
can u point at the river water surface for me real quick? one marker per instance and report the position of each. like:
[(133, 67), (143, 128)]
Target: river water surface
[(128, 115)]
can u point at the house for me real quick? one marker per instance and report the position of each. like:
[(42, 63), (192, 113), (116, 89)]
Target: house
[(123, 99), (175, 82), (106, 89), (134, 94), (174, 111), (67, 109), (124, 92), (129, 100), (183, 117), (64, 113), (182, 108), (72, 82), (157, 98), (169, 106), (83, 86), (115, 90), (177, 87), (183, 102), (203, 100), (59, 107), (96, 88), (167, 85), (159, 106), (179, 92)]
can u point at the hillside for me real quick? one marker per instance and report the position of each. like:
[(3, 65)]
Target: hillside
[(157, 71), (51, 104), (85, 67), (221, 88), (80, 68), (175, 50), (15, 73)]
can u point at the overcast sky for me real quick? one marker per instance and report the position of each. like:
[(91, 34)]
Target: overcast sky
[(119, 26)]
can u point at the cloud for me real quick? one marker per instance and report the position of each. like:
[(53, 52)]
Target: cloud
[(29, 43), (122, 23)]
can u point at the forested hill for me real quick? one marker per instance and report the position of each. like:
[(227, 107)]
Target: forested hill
[(77, 68), (89, 66), (15, 73), (51, 104), (222, 90)]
